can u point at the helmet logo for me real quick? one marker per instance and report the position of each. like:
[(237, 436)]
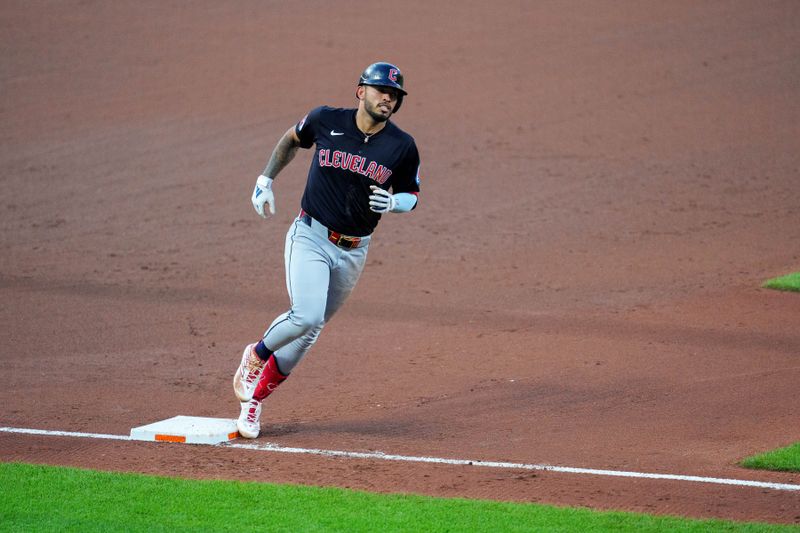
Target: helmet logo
[(393, 74)]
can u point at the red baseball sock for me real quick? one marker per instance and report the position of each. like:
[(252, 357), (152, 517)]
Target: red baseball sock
[(271, 377)]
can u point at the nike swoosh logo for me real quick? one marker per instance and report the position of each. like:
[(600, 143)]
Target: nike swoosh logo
[(334, 132)]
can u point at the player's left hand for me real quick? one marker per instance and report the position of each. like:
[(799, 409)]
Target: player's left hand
[(381, 201)]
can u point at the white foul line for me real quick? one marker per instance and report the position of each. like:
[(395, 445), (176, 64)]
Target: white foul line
[(269, 447), (52, 433)]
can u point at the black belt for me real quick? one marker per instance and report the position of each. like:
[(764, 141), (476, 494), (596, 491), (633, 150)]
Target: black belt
[(342, 241)]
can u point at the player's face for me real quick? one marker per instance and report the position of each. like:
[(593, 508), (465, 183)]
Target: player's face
[(379, 102)]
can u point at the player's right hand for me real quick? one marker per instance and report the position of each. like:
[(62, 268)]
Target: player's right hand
[(262, 194)]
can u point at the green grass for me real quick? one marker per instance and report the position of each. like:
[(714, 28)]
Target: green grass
[(789, 282), (785, 459), (45, 498)]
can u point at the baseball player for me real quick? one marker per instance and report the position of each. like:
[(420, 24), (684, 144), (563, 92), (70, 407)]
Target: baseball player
[(364, 166)]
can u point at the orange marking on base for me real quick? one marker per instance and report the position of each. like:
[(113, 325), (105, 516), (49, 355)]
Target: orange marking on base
[(170, 438), (233, 435)]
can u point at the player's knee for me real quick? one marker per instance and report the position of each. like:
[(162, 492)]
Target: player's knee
[(308, 321)]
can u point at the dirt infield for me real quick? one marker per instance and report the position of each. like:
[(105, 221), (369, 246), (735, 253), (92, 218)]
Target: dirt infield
[(604, 188)]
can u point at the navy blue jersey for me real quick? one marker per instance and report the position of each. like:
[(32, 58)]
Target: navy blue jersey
[(347, 162)]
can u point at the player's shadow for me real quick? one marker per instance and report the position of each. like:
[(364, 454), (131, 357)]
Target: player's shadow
[(367, 427)]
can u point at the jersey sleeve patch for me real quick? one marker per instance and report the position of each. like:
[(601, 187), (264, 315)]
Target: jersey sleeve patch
[(306, 129)]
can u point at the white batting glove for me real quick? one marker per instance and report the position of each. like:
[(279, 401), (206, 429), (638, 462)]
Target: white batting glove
[(381, 201), (262, 194)]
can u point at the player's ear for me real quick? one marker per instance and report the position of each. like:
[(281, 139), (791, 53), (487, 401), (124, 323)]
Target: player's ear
[(360, 91)]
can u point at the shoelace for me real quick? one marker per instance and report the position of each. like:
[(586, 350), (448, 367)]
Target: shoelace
[(254, 367), (252, 414)]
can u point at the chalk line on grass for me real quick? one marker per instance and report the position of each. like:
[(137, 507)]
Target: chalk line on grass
[(381, 456)]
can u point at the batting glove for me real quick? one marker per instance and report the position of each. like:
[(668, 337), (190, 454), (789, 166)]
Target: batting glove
[(262, 194), (381, 201)]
